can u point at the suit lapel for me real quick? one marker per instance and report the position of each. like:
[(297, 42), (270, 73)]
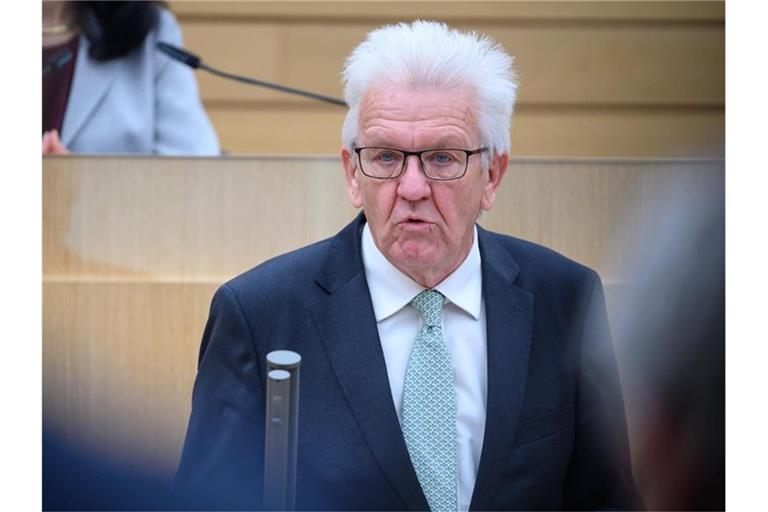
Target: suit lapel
[(347, 327), (90, 84), (508, 311)]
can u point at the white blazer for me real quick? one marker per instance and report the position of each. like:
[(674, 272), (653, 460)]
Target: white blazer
[(142, 103)]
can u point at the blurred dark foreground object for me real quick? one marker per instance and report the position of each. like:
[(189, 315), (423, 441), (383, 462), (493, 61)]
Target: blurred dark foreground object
[(672, 331), (75, 478), (78, 478), (114, 29)]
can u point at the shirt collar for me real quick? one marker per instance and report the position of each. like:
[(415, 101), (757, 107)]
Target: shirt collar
[(464, 286), (391, 290)]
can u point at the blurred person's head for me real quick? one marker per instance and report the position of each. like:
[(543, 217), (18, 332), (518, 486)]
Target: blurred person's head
[(670, 327), (115, 29), (416, 87)]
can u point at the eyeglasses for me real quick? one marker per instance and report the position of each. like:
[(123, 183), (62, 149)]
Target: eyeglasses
[(436, 164)]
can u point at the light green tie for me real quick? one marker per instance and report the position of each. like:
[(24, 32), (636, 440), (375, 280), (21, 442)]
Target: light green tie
[(429, 407)]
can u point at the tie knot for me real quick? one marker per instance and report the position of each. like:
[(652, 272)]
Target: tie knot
[(429, 304)]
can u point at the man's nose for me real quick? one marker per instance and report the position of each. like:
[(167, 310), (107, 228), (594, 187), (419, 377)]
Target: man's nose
[(413, 184)]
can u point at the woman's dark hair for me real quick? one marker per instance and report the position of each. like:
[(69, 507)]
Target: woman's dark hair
[(114, 29)]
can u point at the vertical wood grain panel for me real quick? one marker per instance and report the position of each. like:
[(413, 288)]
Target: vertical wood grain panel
[(642, 79)]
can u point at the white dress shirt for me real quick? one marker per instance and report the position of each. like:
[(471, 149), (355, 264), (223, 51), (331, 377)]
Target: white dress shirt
[(464, 331)]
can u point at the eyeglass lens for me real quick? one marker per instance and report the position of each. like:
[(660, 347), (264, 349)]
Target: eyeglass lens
[(437, 164)]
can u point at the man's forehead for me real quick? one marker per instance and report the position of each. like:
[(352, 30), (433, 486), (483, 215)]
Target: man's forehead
[(419, 102), (447, 117), (444, 137)]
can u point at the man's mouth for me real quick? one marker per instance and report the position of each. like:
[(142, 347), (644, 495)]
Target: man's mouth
[(414, 220), (414, 223)]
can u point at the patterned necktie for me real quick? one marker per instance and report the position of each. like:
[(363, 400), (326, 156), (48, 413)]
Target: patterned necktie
[(429, 407)]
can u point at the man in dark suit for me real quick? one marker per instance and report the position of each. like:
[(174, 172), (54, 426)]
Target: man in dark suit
[(444, 367)]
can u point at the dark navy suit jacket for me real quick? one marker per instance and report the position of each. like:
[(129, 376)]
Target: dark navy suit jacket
[(555, 435)]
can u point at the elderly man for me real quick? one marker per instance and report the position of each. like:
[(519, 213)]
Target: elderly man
[(444, 367)]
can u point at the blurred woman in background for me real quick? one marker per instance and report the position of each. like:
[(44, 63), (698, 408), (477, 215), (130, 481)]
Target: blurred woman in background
[(106, 88)]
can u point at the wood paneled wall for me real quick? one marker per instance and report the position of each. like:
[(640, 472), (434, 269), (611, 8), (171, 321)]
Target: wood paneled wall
[(135, 247), (642, 79)]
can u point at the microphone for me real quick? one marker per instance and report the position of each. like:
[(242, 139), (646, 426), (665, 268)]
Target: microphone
[(195, 62), (57, 62), (183, 56)]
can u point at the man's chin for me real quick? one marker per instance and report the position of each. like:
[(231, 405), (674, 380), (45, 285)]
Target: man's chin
[(414, 257)]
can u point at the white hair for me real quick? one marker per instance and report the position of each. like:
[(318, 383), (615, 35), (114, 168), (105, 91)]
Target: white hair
[(431, 54)]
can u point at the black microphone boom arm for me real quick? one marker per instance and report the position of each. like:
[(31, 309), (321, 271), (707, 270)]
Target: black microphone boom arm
[(195, 62)]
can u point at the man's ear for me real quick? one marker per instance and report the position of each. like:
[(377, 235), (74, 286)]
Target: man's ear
[(349, 162), (495, 174)]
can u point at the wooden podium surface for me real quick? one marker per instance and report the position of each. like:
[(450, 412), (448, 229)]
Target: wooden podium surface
[(134, 248)]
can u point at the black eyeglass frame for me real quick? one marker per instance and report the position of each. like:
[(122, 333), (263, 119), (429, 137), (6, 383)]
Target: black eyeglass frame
[(417, 154)]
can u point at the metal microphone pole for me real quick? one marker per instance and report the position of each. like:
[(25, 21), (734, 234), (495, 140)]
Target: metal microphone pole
[(281, 430)]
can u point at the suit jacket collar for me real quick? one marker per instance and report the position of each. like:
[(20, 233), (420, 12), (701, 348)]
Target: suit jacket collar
[(344, 259), (90, 84), (346, 324), (509, 317)]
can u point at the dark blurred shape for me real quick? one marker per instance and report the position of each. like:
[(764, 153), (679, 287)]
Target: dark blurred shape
[(672, 328), (76, 478), (58, 61), (114, 29)]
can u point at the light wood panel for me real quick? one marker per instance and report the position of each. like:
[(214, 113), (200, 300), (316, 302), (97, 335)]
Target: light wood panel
[(119, 362), (641, 64), (599, 212), (208, 219), (499, 11), (578, 132), (184, 218), (622, 78), (135, 247)]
